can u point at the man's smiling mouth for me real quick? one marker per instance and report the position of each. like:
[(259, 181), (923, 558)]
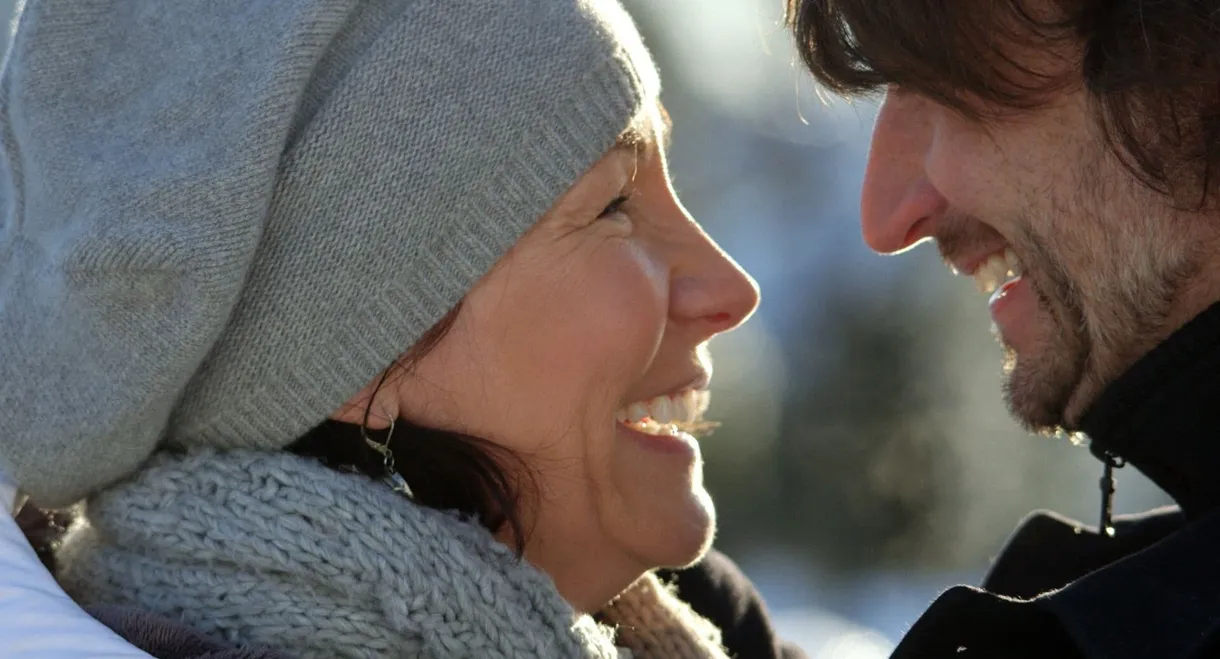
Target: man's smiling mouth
[(997, 271)]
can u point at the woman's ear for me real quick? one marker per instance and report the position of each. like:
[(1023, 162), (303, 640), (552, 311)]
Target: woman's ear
[(375, 406)]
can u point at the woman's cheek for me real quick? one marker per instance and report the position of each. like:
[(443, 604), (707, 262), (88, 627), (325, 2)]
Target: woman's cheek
[(635, 288)]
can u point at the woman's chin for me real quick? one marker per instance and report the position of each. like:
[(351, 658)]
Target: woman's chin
[(662, 513), (679, 540)]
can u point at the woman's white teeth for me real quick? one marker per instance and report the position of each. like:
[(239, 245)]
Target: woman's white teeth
[(667, 414), (997, 269)]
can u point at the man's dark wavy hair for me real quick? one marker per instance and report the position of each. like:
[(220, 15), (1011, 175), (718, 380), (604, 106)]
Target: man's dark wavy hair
[(1151, 67)]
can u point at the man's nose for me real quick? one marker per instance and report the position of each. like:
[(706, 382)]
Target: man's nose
[(899, 205)]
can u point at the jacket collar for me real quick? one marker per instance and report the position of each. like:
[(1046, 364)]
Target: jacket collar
[(1163, 415), (1161, 602)]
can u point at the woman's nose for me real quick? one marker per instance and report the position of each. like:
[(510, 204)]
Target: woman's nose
[(713, 292), (898, 204)]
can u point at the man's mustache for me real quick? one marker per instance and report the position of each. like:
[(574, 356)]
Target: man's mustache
[(964, 234)]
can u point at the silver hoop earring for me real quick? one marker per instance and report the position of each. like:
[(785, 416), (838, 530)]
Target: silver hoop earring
[(393, 478)]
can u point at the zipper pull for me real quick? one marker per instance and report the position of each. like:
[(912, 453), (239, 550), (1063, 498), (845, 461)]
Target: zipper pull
[(1110, 462)]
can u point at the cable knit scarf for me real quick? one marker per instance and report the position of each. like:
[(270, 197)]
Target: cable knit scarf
[(277, 550)]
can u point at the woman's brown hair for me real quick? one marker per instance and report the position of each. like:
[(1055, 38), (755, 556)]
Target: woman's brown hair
[(445, 470)]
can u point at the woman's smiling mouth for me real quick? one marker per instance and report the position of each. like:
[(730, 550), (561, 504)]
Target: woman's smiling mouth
[(667, 414)]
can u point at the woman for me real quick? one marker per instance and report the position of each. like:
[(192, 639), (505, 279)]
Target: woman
[(368, 328)]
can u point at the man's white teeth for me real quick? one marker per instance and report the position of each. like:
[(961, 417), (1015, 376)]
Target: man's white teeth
[(667, 414), (997, 269)]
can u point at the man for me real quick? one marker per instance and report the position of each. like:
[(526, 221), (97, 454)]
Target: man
[(1064, 153)]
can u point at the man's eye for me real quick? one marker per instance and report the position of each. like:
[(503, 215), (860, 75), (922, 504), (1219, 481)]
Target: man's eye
[(615, 206)]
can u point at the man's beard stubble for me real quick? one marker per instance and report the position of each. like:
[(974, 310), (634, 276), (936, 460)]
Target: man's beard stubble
[(1037, 387), (1090, 327)]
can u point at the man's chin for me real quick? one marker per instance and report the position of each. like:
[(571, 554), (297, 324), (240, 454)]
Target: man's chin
[(1038, 389)]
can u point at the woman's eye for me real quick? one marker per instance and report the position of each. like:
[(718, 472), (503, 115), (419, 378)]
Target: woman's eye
[(615, 206)]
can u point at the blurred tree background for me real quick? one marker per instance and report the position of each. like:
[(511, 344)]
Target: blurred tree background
[(865, 461)]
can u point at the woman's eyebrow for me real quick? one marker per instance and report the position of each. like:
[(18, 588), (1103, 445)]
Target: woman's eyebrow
[(668, 124), (641, 134), (633, 139)]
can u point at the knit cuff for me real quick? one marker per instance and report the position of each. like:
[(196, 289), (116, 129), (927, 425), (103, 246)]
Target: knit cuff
[(10, 497), (654, 624)]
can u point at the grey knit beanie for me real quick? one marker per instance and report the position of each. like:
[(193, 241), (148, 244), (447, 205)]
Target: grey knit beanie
[(222, 218)]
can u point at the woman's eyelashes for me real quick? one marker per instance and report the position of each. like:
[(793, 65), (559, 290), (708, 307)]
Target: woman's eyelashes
[(615, 206)]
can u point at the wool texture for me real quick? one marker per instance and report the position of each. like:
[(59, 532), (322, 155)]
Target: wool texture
[(222, 219), (275, 550)]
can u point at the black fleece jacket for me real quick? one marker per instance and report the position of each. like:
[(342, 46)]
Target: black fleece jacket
[(1150, 590), (717, 590)]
